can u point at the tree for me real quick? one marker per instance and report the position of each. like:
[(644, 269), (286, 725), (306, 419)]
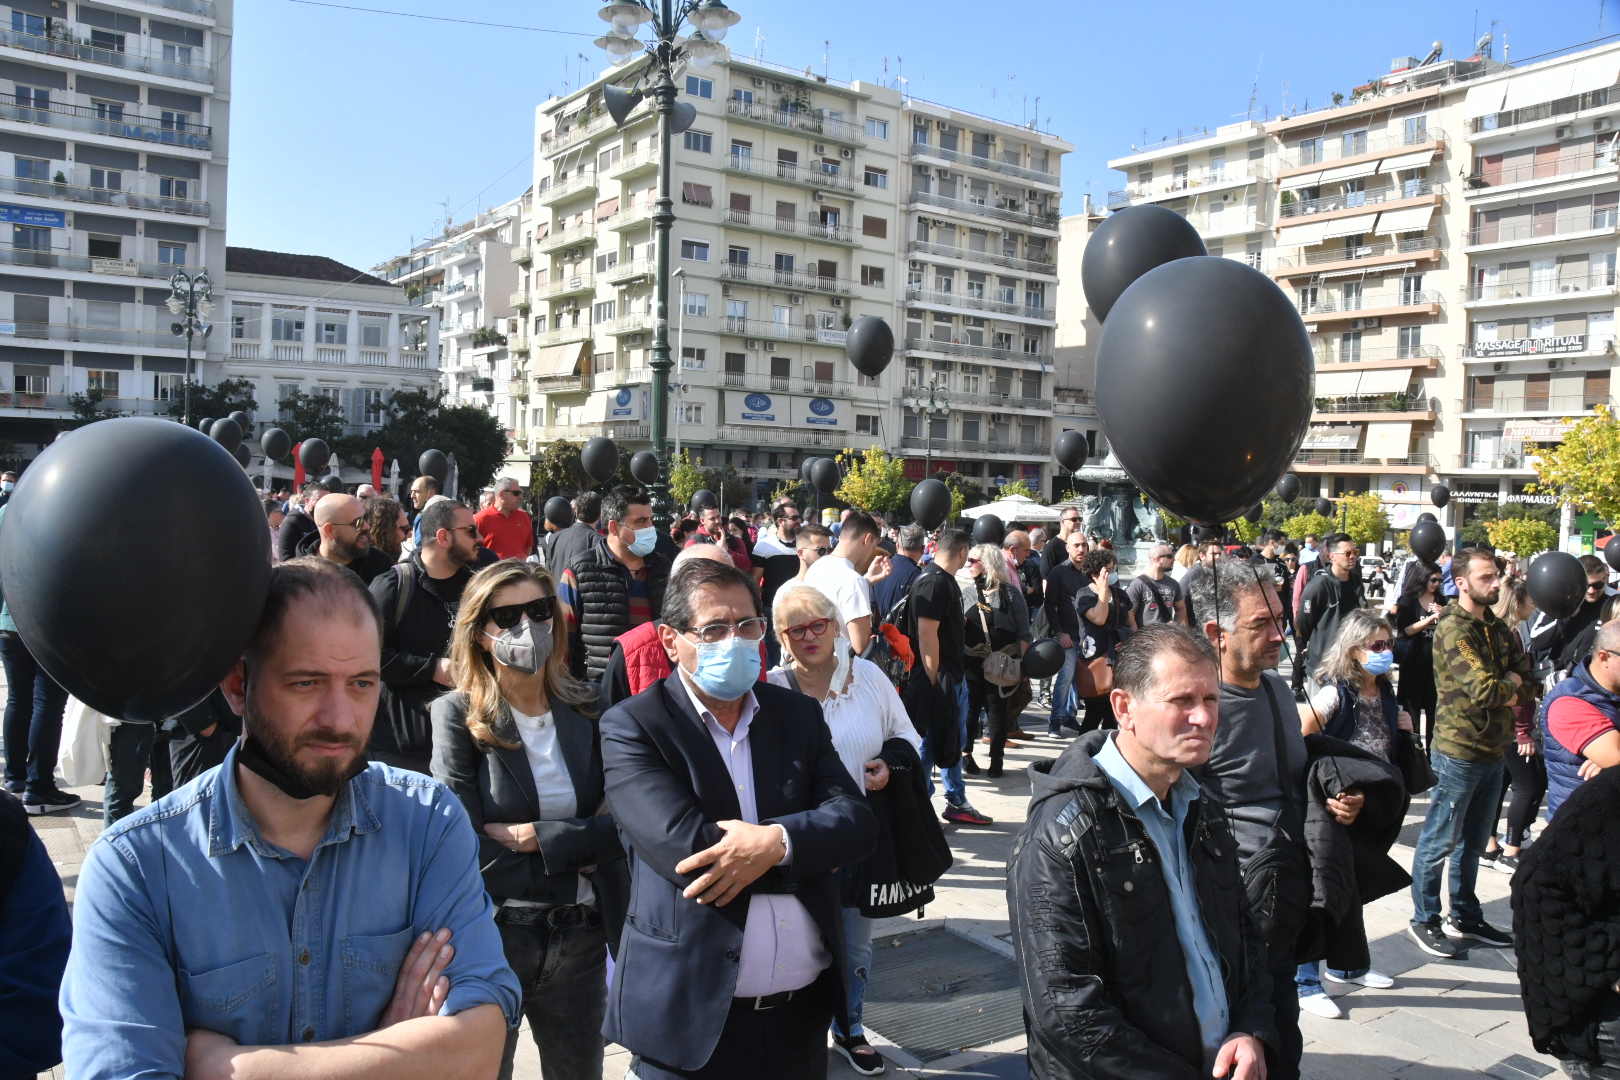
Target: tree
[(87, 409), (684, 479), (309, 416), (729, 487), (1019, 487), (873, 481), (964, 492), (1473, 533), (420, 420), (1302, 525), (1364, 517), (1245, 530), (558, 472), (228, 396), (1523, 536), (1585, 468)]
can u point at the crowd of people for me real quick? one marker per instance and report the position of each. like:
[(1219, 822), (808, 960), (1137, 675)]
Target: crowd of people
[(654, 786)]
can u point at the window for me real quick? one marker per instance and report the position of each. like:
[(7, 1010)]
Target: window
[(29, 238), (1350, 347), (172, 187), (106, 247), (970, 380), (737, 313), (1355, 192), (105, 381), (1409, 342), (782, 315), (329, 332), (694, 359), (696, 304), (866, 423), (824, 371), (102, 313), (107, 179), (172, 54), (1355, 142), (784, 265), (696, 87), (695, 250), (601, 363), (1417, 129), (701, 141), (737, 256), (371, 406), (872, 275), (736, 363), (170, 120), (878, 178), (690, 412), (876, 129), (697, 194), (167, 387), (874, 226), (33, 97), (25, 168), (742, 154), (607, 158), (33, 25), (971, 423), (171, 254), (744, 96), (286, 328), (604, 311), (1310, 151), (606, 261), (373, 334)]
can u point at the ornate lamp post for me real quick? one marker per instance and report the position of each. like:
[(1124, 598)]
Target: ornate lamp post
[(931, 400), (191, 297)]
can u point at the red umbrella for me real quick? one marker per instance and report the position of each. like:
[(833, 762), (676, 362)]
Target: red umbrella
[(376, 468), (298, 469)]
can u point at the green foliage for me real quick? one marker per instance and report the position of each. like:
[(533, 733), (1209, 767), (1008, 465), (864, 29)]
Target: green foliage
[(1020, 487), (1474, 534), (420, 420), (1585, 468), (684, 478), (794, 489), (1245, 530), (1302, 525), (729, 487), (485, 336), (873, 480), (558, 472), (1523, 536), (310, 416), (1364, 517), (228, 396), (87, 409), (965, 492)]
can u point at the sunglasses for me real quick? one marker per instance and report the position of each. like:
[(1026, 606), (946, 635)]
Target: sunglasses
[(1381, 645), (507, 615), (814, 628), (1435, 580), (820, 551), (1594, 585)]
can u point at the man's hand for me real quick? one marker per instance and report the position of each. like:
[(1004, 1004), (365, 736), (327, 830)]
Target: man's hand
[(519, 837), (443, 673), (421, 987), (879, 569), (1517, 681), (877, 774), (1347, 807), (736, 862), (1404, 720), (1242, 1057), (1066, 641)]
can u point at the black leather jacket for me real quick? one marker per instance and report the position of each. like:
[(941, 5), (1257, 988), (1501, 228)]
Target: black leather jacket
[(1104, 981)]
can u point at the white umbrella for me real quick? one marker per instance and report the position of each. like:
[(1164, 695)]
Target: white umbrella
[(1015, 508)]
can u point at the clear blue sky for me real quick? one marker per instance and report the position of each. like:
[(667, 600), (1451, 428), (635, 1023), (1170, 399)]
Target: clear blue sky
[(350, 130)]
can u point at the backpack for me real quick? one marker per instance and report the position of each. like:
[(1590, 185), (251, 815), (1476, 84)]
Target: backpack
[(894, 667)]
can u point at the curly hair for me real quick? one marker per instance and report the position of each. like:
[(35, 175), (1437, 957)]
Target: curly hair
[(1096, 562)]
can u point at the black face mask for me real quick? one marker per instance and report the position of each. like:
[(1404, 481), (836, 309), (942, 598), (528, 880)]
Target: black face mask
[(254, 755)]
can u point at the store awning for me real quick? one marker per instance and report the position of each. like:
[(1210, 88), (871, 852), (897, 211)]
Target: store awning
[(1355, 225), (1388, 381), (1348, 172), (1536, 430), (1338, 383), (607, 208), (1359, 383), (1411, 219), (1306, 234), (557, 360), (1332, 437), (1393, 440), (1405, 161)]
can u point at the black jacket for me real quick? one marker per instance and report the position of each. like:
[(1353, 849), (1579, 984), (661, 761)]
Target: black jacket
[(414, 640), (563, 547), (369, 566), (1323, 602), (911, 849), (1104, 981), (602, 611), (1063, 584), (495, 783), (294, 528)]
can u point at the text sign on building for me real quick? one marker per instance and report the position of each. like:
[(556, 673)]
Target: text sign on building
[(622, 406), (1473, 497), (820, 412), (32, 215), (1564, 343), (756, 408)]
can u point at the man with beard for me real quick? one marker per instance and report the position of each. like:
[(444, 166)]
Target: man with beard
[(419, 599), (349, 934), (342, 536)]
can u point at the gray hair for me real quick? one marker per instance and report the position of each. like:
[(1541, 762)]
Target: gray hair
[(912, 538), (1037, 535), (1218, 590), (1135, 665), (1338, 663), (994, 562)]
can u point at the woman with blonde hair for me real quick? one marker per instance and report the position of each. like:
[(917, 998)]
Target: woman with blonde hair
[(996, 619), (1186, 559), (513, 742)]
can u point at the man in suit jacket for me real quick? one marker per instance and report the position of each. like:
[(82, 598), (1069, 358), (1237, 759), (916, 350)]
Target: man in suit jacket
[(736, 812)]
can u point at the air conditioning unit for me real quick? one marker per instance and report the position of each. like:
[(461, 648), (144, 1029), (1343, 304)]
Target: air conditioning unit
[(1364, 324), (758, 81), (1499, 367), (846, 152), (943, 174), (795, 299), (1032, 194), (838, 301), (1554, 365), (1564, 131), (750, 343), (821, 148), (944, 125), (916, 265), (770, 346), (1603, 123), (725, 290), (778, 87)]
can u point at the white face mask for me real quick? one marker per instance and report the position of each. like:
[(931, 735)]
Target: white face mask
[(845, 662)]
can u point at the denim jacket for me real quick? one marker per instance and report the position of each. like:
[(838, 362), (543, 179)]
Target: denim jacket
[(186, 917)]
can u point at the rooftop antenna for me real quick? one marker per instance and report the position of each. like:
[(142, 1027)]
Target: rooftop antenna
[(826, 47), (759, 43), (1255, 91), (1285, 100)]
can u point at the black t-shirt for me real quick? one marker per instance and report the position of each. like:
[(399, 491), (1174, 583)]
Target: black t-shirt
[(779, 570), (935, 595), (1102, 640)]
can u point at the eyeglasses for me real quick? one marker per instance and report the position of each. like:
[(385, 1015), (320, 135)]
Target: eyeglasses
[(507, 615), (814, 628), (509, 491), (1435, 580), (358, 524), (1590, 585), (453, 529), (820, 551), (1381, 645), (748, 629)]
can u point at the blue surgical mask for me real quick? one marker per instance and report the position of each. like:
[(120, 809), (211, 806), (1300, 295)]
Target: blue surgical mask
[(6, 486), (726, 669), (1113, 577), (646, 539), (1379, 663)]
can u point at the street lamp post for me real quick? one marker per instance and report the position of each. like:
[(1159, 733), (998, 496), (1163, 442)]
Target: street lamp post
[(191, 297), (929, 401)]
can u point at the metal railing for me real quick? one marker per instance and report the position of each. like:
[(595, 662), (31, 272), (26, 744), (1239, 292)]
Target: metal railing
[(577, 184), (1008, 262), (963, 399), (810, 123), (807, 331), (1354, 200), (1565, 221), (1557, 169), (812, 227), (1326, 355), (555, 143), (55, 259), (1532, 289), (980, 161), (1560, 404), (792, 279), (583, 233), (1334, 147), (782, 384), (1545, 110), (518, 299), (49, 189), (1175, 183), (1374, 250), (1327, 305), (641, 159), (1356, 457), (105, 335), (813, 175), (1503, 460), (923, 295), (1040, 219), (629, 324), (65, 45), (1395, 404), (629, 269), (761, 435), (1030, 448), (98, 120), (976, 352), (563, 286)]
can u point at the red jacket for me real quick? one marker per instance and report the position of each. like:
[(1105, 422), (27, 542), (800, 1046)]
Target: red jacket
[(646, 662)]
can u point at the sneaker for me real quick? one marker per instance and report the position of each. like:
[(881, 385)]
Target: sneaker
[(49, 802), (1376, 980), (14, 786), (859, 1053), (969, 766), (1477, 930), (1506, 863), (1488, 858), (1054, 733), (962, 813), (1319, 1004), (1433, 941)]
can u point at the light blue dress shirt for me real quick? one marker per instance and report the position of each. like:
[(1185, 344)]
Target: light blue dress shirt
[(186, 917), (1167, 834)]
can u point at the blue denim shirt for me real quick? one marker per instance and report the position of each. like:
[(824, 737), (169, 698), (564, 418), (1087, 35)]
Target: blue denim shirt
[(1169, 837), (186, 917)]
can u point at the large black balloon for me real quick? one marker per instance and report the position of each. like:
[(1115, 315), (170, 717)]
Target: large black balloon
[(644, 467), (242, 454), (931, 503), (805, 466), (869, 343), (313, 454), (600, 458), (1428, 540), (1204, 385), (559, 512), (702, 499), (989, 529), (243, 420), (1288, 488), (1043, 659), (1324, 507), (433, 463), (180, 614), (1254, 514), (1129, 244), (1426, 516), (1557, 583), (1070, 450), (1611, 553), (204, 424), (274, 443), (226, 432), (825, 475), (1439, 494)]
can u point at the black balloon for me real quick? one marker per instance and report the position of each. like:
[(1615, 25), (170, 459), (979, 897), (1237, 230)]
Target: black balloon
[(1232, 346), (1288, 488), (242, 454), (805, 466), (1070, 450), (313, 454), (1557, 583), (1440, 495), (869, 343), (559, 512), (433, 463), (1129, 244), (824, 475), (204, 424), (243, 420), (226, 432), (1043, 659), (931, 503), (644, 467), (1324, 507), (181, 614), (275, 443), (1428, 540), (703, 498), (600, 458), (1254, 514), (1426, 516), (1611, 553), (989, 529)]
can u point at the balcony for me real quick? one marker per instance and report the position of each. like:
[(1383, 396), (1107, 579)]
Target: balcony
[(130, 200), (643, 160), (1177, 184), (809, 123), (1033, 449), (517, 339), (1551, 404), (415, 358), (570, 285), (814, 228), (578, 184), (556, 142), (1029, 219), (1546, 110), (99, 120), (1577, 167), (1531, 289), (975, 352), (1377, 356), (1359, 200), (738, 326), (560, 336), (1337, 148), (522, 254), (956, 157), (56, 259), (1508, 457), (1371, 408), (1006, 262), (759, 435), (518, 388), (813, 176), (1330, 309), (102, 335), (635, 214), (64, 45), (966, 400), (631, 324), (519, 299), (580, 235), (1367, 255), (572, 382), (425, 298), (919, 295), (1569, 224), (1356, 461), (789, 279), (629, 271)]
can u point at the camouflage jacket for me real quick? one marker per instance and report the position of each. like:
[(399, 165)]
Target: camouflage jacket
[(1472, 659)]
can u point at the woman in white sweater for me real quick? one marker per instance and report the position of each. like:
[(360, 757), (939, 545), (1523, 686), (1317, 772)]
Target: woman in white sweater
[(863, 711)]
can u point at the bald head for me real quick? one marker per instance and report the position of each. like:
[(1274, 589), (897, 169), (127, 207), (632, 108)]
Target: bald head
[(701, 551), (342, 522), (335, 508)]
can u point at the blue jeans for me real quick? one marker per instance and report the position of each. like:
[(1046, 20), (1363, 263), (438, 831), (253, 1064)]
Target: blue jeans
[(1063, 703), (857, 966), (1462, 805), (129, 754), (955, 789), (33, 719), (1309, 977)]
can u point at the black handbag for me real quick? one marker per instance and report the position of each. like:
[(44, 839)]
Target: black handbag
[(1416, 771)]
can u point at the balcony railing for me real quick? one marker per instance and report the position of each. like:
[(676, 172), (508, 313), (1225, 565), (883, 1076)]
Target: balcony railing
[(196, 7), (787, 331), (813, 175), (105, 335), (1356, 457), (1159, 187), (977, 352), (645, 158), (752, 435), (1395, 404), (980, 162), (630, 324), (1557, 404), (1507, 456), (47, 189), (1360, 251), (577, 184), (1565, 221), (64, 45), (55, 259), (522, 254), (791, 279), (414, 358), (1534, 289), (1558, 168), (425, 298), (1379, 352), (555, 143), (630, 269), (978, 303), (1029, 448), (583, 233), (97, 120), (1352, 200), (1334, 147), (1545, 110), (783, 384), (812, 227), (629, 215), (964, 399), (811, 123), (1039, 219), (565, 285), (519, 299), (1327, 305), (950, 251)]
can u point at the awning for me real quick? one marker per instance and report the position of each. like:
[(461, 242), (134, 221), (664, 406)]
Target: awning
[(1303, 180), (1354, 225), (607, 208), (1485, 99), (1561, 80), (697, 194), (1337, 383), (1387, 381), (560, 359), (1411, 219), (1358, 383), (1393, 440), (1536, 430), (1348, 172), (1405, 161), (543, 231), (1332, 437), (1305, 235)]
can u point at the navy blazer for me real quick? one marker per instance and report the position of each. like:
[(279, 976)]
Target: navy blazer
[(667, 786)]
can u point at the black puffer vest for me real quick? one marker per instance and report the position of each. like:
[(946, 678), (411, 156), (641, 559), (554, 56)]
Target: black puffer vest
[(604, 602)]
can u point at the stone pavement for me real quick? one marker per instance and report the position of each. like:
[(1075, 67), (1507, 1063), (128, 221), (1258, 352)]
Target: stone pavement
[(1441, 1021)]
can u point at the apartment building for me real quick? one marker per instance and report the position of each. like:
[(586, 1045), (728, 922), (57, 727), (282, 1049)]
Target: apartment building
[(114, 120), (1074, 354), (308, 324)]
